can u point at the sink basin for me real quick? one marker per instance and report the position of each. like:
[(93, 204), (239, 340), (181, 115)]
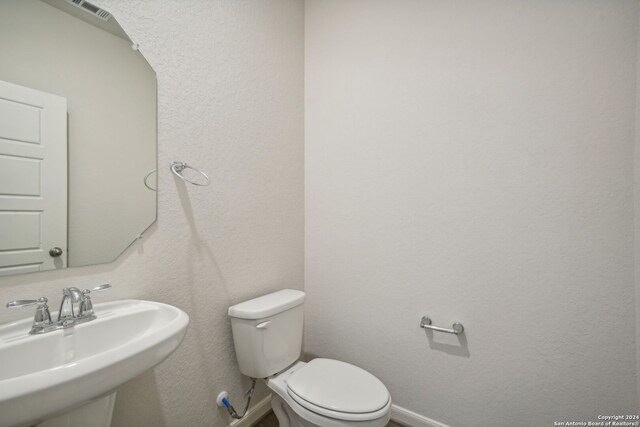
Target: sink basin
[(43, 375)]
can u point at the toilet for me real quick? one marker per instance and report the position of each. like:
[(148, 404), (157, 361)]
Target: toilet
[(267, 334)]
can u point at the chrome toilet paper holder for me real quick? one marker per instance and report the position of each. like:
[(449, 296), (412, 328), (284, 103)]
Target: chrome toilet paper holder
[(457, 328)]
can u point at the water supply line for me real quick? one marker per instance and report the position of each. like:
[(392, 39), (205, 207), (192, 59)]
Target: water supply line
[(229, 406)]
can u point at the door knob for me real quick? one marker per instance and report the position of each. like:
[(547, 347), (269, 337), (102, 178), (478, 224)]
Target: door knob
[(55, 252)]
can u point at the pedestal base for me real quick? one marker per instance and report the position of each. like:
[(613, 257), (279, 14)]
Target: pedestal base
[(96, 413)]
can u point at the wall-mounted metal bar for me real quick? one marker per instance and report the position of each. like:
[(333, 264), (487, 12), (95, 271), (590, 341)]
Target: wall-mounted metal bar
[(457, 329), (178, 167)]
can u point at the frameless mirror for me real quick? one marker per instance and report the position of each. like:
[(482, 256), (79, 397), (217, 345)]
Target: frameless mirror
[(77, 136)]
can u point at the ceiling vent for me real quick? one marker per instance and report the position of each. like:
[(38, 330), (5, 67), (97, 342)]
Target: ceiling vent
[(92, 9)]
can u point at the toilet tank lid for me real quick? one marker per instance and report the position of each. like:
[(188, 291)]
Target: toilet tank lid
[(267, 305)]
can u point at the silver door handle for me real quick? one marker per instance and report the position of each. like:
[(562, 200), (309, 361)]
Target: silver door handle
[(55, 252)]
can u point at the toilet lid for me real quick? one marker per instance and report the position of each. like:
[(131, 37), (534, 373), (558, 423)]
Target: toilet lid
[(338, 387)]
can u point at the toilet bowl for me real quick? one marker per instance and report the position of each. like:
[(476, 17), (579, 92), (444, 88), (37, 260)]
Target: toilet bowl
[(267, 335), (329, 393)]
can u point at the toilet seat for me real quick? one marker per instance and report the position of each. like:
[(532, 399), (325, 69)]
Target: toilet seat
[(339, 390)]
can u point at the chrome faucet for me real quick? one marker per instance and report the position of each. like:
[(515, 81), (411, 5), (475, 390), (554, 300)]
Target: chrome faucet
[(76, 307), (70, 305)]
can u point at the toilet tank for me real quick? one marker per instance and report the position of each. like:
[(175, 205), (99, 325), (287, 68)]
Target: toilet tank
[(267, 332)]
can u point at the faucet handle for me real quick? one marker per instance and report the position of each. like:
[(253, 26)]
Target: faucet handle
[(97, 289), (86, 306), (27, 302), (42, 318)]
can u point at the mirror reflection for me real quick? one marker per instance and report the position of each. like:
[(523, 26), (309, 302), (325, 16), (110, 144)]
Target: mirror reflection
[(77, 136)]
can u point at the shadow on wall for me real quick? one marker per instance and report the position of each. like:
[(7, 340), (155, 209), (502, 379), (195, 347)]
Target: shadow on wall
[(199, 253), (141, 399), (455, 345)]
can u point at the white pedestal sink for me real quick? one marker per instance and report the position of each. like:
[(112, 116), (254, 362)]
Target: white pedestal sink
[(72, 374)]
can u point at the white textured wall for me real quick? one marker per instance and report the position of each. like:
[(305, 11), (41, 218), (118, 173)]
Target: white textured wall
[(230, 86), (473, 161), (111, 94), (636, 194)]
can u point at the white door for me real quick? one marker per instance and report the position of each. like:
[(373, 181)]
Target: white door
[(33, 179)]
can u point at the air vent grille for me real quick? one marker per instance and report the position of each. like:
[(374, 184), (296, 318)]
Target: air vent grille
[(92, 9)]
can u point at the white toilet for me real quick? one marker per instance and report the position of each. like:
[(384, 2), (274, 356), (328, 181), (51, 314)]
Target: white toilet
[(267, 333)]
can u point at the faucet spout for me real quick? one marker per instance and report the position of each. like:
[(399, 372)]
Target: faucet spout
[(70, 305)]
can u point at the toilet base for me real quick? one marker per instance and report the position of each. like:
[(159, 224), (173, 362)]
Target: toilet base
[(291, 414), (279, 407)]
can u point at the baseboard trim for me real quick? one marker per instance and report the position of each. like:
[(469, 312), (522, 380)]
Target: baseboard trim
[(406, 417), (398, 413), (254, 413)]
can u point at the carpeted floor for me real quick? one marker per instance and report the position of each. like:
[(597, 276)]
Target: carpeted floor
[(270, 420)]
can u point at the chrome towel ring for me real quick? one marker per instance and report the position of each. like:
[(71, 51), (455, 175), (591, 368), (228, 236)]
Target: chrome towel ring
[(178, 167)]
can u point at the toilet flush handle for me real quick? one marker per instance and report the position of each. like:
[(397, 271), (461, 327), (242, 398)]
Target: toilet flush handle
[(263, 325)]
